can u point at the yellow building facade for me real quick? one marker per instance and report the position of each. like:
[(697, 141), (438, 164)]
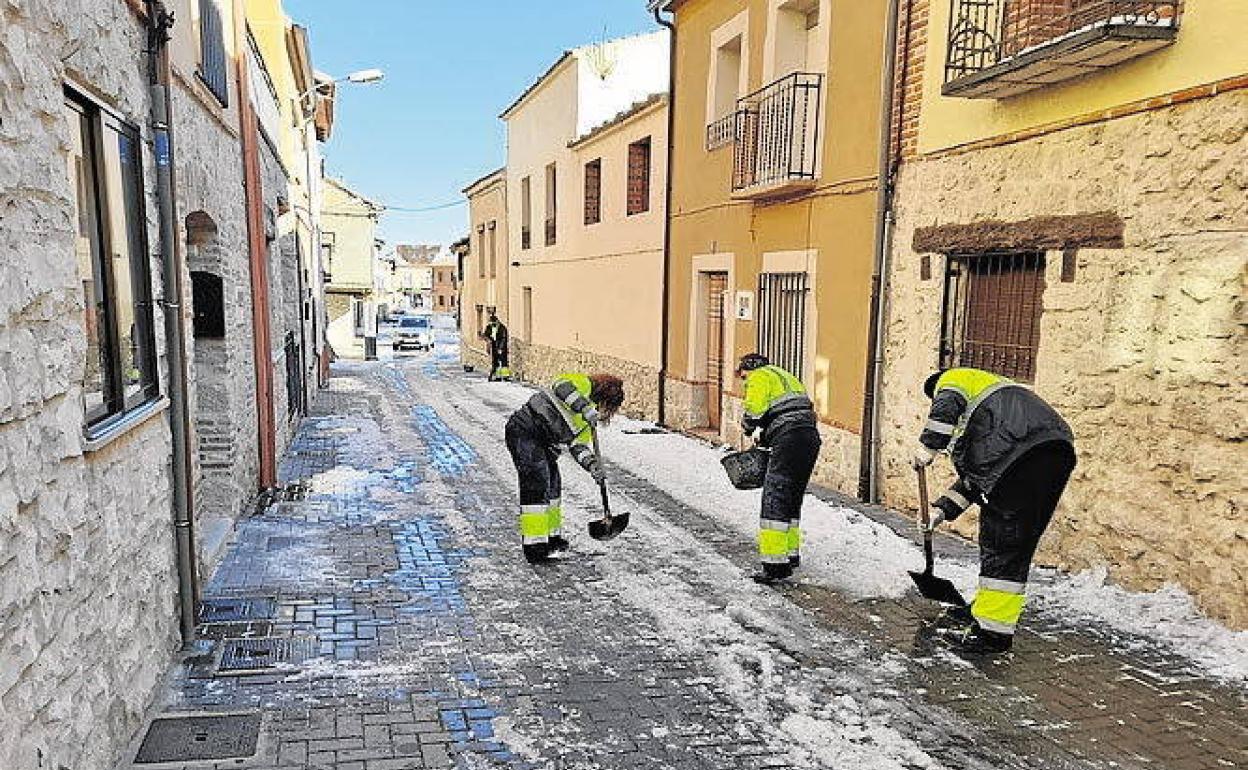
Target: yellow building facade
[(774, 169), (487, 267), (1072, 210)]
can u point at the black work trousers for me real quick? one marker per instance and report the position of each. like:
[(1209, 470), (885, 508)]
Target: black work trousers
[(541, 487), (794, 449), (1019, 509), (498, 360)]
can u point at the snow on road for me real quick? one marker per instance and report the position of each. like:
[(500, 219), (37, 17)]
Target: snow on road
[(849, 552)]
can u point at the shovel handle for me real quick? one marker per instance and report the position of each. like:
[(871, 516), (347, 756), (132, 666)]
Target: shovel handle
[(928, 553), (602, 485)]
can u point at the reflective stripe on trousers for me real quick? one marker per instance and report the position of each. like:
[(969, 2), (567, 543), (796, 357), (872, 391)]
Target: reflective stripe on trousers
[(534, 524), (554, 516), (773, 541), (999, 604)]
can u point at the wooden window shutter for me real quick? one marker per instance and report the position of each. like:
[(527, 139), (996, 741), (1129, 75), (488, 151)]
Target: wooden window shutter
[(639, 177)]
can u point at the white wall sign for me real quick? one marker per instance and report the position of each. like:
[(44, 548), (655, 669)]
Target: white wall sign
[(745, 305)]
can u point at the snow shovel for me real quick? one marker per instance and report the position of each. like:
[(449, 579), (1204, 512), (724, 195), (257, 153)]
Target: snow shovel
[(932, 587), (608, 527)]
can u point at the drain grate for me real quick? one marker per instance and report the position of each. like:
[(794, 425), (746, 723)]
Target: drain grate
[(243, 629), (199, 738), (253, 656), (236, 609)]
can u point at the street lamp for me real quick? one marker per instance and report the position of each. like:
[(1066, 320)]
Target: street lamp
[(360, 77)]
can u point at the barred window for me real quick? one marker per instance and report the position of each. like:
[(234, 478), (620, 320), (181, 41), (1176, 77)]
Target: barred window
[(526, 213), (593, 192), (106, 172), (639, 177), (992, 312), (782, 320), (212, 59)]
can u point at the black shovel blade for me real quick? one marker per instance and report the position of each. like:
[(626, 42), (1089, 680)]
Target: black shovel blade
[(619, 523), (937, 588), (602, 529)]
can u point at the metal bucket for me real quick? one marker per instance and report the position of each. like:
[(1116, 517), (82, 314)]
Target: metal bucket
[(746, 468)]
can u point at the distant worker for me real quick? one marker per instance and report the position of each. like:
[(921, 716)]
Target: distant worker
[(496, 334), (778, 409), (565, 414), (1013, 454)]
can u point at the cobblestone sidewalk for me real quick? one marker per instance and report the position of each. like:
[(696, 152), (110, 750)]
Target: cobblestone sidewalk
[(377, 616)]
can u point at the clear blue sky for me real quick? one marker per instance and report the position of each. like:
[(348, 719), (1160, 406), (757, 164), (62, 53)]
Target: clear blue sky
[(431, 127)]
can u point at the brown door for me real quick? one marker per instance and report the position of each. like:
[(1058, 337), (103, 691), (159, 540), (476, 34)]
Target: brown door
[(716, 291)]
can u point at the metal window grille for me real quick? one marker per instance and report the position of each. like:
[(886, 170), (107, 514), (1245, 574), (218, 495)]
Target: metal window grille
[(526, 237), (639, 177), (983, 33), (782, 319), (777, 132), (593, 192), (992, 308), (213, 68)]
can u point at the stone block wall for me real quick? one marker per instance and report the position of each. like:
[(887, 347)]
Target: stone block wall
[(1143, 351), (214, 229), (540, 364), (87, 583)]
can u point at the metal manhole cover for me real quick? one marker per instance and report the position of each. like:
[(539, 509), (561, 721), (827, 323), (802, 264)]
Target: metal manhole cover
[(253, 656), (278, 542), (198, 738), (232, 610)]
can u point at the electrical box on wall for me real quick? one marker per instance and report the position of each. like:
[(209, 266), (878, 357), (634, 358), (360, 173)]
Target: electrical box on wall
[(745, 306)]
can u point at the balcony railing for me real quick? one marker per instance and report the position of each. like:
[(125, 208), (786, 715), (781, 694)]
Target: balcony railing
[(777, 137), (720, 133), (1001, 48)]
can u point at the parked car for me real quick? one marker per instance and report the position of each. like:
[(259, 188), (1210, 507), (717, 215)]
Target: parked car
[(415, 331)]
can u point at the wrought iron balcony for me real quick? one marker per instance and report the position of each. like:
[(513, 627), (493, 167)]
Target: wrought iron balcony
[(1002, 48), (777, 137), (720, 133)]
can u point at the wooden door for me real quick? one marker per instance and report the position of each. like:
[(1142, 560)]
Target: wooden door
[(716, 294)]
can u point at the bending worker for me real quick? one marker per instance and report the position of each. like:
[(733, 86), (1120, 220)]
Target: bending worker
[(1013, 454), (777, 407), (567, 413)]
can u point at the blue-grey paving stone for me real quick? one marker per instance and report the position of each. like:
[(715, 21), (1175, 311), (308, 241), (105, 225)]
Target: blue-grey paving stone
[(420, 665)]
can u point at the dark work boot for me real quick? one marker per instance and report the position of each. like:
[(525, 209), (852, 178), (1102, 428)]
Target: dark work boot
[(795, 561), (954, 619), (980, 641), (559, 543), (774, 573), (536, 553)]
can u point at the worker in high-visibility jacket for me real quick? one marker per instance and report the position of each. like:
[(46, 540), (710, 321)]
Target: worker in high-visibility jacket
[(782, 415), (496, 335), (566, 413), (1013, 454)]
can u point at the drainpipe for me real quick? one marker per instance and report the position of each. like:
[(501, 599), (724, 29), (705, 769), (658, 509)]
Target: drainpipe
[(257, 247), (868, 468), (666, 301), (159, 23)]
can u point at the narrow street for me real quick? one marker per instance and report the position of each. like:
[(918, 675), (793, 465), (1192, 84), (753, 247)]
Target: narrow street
[(379, 616)]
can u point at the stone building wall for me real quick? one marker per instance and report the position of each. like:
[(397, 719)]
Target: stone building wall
[(540, 365), (214, 228), (1143, 352), (87, 582), (286, 308)]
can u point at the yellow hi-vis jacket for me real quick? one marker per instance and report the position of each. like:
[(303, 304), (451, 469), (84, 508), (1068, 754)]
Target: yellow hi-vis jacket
[(770, 392)]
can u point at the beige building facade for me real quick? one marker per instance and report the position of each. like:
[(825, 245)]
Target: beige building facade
[(349, 255), (586, 180), (487, 267), (1088, 236)]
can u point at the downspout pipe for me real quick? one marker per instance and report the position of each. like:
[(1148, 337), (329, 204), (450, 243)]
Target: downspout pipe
[(868, 467), (159, 22), (666, 301)]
